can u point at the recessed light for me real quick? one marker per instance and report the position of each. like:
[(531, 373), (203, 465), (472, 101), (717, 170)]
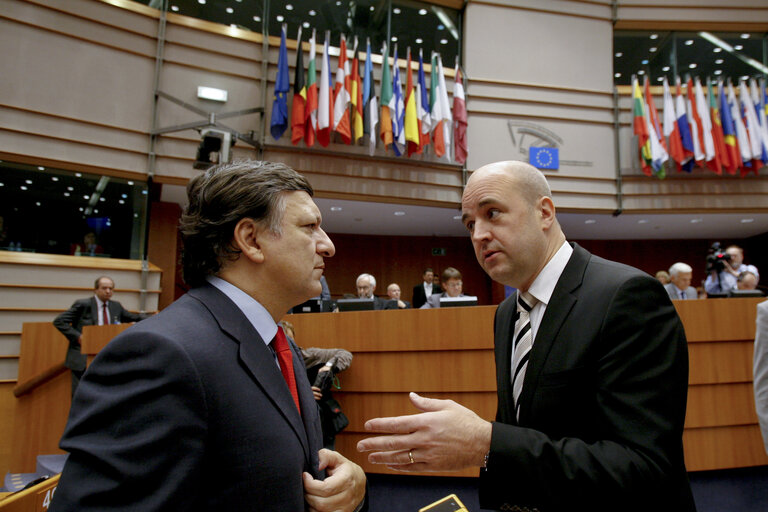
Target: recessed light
[(175, 8), (659, 79), (399, 214), (396, 10), (738, 47), (590, 221), (696, 221), (617, 75), (288, 7), (86, 196), (40, 168), (121, 201), (652, 49), (70, 188), (258, 18), (654, 36), (644, 62), (67, 194), (457, 217), (619, 54), (394, 39), (717, 49), (312, 12), (719, 61), (38, 203), (2, 184), (81, 208), (641, 72), (747, 221), (371, 8), (423, 12), (102, 199), (419, 40), (280, 18), (744, 36), (336, 208), (689, 42), (28, 182), (78, 175), (443, 41), (665, 68), (692, 65), (130, 183), (643, 221), (305, 24), (23, 187), (201, 2), (441, 27), (54, 178), (718, 71), (230, 10)]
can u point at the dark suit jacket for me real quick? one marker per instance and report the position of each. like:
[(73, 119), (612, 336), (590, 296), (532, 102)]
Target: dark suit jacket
[(188, 410), (603, 402), (86, 312), (420, 297)]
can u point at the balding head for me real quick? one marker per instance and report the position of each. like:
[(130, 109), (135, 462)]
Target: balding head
[(508, 209)]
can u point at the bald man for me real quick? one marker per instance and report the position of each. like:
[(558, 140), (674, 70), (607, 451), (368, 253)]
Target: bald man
[(591, 372)]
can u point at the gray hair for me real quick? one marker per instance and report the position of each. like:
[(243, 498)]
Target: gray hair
[(370, 278), (679, 268)]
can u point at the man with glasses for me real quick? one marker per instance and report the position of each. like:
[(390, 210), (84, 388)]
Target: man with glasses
[(450, 281)]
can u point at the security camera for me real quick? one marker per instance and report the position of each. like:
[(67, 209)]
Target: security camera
[(214, 148)]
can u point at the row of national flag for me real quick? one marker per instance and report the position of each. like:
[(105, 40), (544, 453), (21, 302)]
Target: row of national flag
[(720, 132), (405, 121)]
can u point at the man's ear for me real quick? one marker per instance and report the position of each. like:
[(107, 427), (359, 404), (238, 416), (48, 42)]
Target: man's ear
[(247, 238), (547, 210)]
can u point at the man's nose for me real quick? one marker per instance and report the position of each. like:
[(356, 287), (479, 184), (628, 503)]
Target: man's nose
[(324, 246)]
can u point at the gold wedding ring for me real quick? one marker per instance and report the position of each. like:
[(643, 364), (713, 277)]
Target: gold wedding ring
[(410, 457)]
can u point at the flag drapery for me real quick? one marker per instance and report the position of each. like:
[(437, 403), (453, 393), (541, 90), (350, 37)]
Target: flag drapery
[(425, 118), (459, 117), (705, 127), (279, 119), (742, 139), (299, 95), (356, 97), (658, 152), (640, 127), (310, 109), (721, 158), (397, 107), (686, 136), (386, 98), (441, 110), (671, 128), (341, 95), (729, 132), (759, 100), (694, 122), (371, 111), (325, 99), (752, 125), (412, 135)]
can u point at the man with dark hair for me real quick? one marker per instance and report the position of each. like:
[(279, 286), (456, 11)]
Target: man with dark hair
[(450, 281), (591, 372), (424, 290), (206, 406), (97, 310)]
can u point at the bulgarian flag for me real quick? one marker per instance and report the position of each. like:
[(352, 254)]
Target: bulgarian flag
[(310, 108), (299, 95)]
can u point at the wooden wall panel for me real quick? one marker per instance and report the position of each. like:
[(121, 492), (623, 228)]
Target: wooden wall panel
[(720, 447)]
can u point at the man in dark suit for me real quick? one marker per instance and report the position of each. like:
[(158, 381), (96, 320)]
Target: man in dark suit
[(424, 290), (366, 286), (393, 292), (206, 406), (97, 310), (592, 372)]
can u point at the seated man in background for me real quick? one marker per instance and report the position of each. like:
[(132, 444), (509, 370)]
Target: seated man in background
[(450, 281), (746, 281), (725, 280), (96, 310), (425, 289), (366, 285), (680, 285), (393, 292)]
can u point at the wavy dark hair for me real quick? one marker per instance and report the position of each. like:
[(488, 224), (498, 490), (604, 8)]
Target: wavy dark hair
[(219, 199)]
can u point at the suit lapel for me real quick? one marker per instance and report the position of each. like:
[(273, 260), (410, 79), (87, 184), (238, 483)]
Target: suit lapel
[(503, 329), (259, 360), (94, 312), (560, 304)]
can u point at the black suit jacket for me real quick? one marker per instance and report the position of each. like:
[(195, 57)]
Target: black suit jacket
[(188, 410), (420, 297), (86, 312), (603, 402)]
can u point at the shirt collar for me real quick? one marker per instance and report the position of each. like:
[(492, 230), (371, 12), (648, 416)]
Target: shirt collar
[(257, 314), (99, 303), (545, 282)]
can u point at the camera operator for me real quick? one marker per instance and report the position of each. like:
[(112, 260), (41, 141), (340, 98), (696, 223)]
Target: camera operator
[(724, 268)]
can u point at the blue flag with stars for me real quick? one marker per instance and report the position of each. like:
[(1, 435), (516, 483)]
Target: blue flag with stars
[(544, 158), (279, 122)]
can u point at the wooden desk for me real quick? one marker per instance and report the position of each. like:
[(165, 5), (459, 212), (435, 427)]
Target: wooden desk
[(449, 354)]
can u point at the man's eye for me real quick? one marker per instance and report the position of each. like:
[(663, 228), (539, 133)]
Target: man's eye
[(470, 226)]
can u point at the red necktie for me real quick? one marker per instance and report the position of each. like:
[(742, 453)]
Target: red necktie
[(105, 315), (285, 356)]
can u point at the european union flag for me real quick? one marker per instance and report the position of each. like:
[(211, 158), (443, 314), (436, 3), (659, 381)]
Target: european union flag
[(544, 158)]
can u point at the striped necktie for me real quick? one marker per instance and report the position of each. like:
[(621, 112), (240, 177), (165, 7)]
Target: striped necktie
[(523, 344)]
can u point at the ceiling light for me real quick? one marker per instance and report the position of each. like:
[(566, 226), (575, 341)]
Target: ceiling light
[(67, 194), (394, 39), (288, 7), (396, 10), (121, 201), (689, 42), (659, 78), (312, 12), (696, 221), (399, 214), (336, 208), (38, 203), (744, 36), (130, 183), (28, 182), (54, 178), (617, 75), (665, 68), (747, 221), (654, 36), (718, 71), (441, 27), (372, 8), (2, 184), (70, 188), (81, 208), (40, 168), (443, 41), (78, 175), (641, 72), (258, 18), (419, 40), (280, 18), (423, 11), (86, 196), (644, 62), (731, 49), (102, 199), (175, 8), (652, 49), (211, 93), (230, 10), (745, 77), (692, 65), (738, 47), (201, 2), (719, 61), (643, 221), (305, 24), (618, 54), (717, 50), (23, 187), (590, 221)]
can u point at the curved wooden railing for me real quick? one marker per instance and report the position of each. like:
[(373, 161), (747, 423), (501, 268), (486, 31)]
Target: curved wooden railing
[(38, 380)]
